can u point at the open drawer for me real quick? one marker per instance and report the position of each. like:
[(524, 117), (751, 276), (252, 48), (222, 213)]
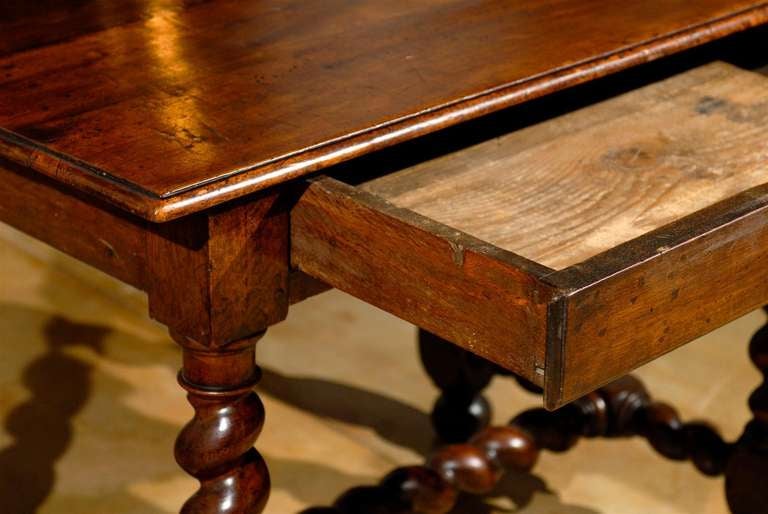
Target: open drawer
[(572, 251)]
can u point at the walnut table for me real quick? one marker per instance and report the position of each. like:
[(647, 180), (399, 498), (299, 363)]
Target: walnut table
[(558, 225)]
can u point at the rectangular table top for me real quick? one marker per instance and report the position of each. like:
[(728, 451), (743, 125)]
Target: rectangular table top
[(165, 108)]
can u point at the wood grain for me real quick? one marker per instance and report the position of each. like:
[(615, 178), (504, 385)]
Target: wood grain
[(87, 229), (470, 293), (166, 108), (653, 294), (105, 237), (302, 286), (221, 275), (565, 190)]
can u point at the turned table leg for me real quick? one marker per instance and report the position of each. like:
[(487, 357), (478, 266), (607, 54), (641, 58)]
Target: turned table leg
[(746, 481), (216, 446), (461, 410)]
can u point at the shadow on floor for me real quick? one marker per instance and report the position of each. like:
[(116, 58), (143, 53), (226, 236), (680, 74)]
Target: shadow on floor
[(391, 419), (514, 493), (404, 426), (44, 367), (59, 386)]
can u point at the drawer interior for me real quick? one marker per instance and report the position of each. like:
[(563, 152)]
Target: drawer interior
[(570, 250), (563, 191)]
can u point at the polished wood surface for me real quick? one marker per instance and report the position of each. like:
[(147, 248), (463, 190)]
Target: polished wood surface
[(133, 250), (621, 408), (575, 329), (184, 112), (221, 275), (165, 108), (567, 189), (475, 467), (216, 446), (689, 278), (461, 409)]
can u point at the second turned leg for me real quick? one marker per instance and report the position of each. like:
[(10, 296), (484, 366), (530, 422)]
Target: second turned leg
[(216, 446), (461, 410), (746, 481)]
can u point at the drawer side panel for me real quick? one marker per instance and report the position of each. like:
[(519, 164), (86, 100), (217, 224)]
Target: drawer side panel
[(423, 272)]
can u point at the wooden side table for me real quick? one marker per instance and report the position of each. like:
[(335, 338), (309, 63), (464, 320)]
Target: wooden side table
[(164, 143)]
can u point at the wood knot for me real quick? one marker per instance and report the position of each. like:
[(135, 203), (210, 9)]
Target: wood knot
[(633, 158), (709, 104)]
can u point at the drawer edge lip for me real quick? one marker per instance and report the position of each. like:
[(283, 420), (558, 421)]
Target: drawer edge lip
[(414, 219), (652, 245), (554, 380)]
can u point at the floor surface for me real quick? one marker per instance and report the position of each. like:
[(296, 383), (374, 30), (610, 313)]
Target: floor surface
[(89, 406)]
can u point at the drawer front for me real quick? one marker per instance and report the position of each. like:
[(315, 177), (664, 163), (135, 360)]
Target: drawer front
[(661, 292)]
